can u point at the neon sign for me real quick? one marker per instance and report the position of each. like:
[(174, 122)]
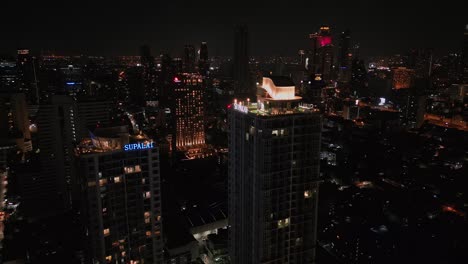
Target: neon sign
[(138, 146)]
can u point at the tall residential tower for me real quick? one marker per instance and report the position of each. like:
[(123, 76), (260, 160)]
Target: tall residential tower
[(121, 197), (274, 155)]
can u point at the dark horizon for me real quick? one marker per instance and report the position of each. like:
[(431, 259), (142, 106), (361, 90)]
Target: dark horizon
[(119, 29)]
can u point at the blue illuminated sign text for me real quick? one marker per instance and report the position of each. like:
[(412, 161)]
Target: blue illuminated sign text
[(138, 146)]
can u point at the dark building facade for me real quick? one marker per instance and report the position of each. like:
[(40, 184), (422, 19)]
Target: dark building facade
[(241, 68)]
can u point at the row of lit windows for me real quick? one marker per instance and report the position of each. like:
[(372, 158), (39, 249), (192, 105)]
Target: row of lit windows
[(132, 169)]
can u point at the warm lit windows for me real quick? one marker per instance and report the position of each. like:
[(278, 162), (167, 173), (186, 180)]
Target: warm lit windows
[(147, 195), (307, 194), (132, 169), (117, 179), (283, 223), (148, 233), (109, 258), (102, 182), (106, 232)]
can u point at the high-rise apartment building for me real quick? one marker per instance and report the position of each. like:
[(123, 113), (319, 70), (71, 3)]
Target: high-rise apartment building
[(274, 156), (122, 197), (189, 119)]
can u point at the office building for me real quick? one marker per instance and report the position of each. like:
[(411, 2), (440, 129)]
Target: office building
[(189, 119), (189, 58), (403, 78), (122, 196), (274, 155)]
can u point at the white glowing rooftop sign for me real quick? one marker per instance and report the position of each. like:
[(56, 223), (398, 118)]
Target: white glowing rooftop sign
[(241, 108), (278, 93)]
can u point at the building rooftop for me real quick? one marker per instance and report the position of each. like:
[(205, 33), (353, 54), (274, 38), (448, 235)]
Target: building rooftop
[(275, 96), (112, 139)]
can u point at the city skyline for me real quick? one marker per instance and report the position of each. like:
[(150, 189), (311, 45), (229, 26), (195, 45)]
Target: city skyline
[(106, 28), (234, 133)]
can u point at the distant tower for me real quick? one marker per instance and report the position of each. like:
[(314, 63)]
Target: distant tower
[(149, 89), (465, 56), (345, 56), (189, 58), (189, 119), (320, 57), (241, 74), (26, 76), (203, 63), (326, 53), (274, 158)]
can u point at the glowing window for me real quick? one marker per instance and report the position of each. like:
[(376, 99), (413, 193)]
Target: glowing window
[(274, 132), (117, 179), (102, 182), (106, 232), (307, 194), (283, 223)]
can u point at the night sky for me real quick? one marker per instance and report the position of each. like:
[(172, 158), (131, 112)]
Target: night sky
[(102, 27)]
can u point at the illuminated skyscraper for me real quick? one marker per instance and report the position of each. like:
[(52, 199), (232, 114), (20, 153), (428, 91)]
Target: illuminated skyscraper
[(320, 59), (241, 68), (122, 197), (403, 78), (189, 119), (274, 157)]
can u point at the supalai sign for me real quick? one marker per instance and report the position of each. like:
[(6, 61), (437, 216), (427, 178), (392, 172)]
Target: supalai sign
[(139, 146), (241, 108)]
